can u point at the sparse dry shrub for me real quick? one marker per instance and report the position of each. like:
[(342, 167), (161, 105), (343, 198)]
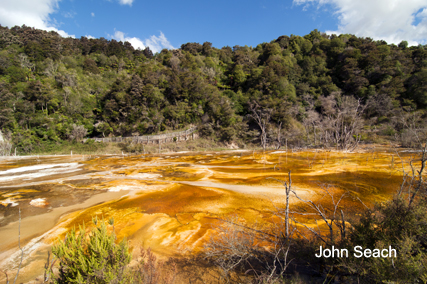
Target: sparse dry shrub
[(238, 250), (150, 270), (5, 144), (5, 148), (230, 248), (409, 138), (78, 132), (130, 147), (412, 129)]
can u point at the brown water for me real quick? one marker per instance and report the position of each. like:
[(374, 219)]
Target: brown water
[(172, 203)]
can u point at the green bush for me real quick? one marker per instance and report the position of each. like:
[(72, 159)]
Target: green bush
[(396, 224), (389, 131), (93, 258), (130, 147)]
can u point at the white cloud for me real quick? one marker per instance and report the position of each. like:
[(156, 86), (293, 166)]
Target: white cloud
[(156, 43), (92, 14), (136, 42), (89, 37), (390, 20), (32, 13), (60, 32), (70, 14), (126, 2)]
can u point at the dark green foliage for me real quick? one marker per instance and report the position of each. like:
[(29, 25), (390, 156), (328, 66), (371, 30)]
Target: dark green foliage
[(403, 44), (90, 66), (112, 89), (16, 74), (418, 88), (93, 258), (403, 227)]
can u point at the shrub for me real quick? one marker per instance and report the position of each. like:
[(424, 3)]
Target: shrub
[(92, 259), (150, 270), (401, 226), (78, 132)]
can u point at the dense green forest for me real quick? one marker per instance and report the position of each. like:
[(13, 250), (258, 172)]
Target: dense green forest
[(316, 89)]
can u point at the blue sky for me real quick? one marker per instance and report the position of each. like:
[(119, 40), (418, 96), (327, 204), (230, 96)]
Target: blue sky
[(168, 24)]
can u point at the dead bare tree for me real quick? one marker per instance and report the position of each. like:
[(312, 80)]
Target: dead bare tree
[(329, 215), (288, 190), (262, 118), (413, 181), (418, 181), (279, 136), (329, 111), (413, 129), (346, 124), (332, 215), (311, 121), (341, 123)]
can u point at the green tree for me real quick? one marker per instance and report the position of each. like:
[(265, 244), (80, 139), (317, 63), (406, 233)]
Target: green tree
[(418, 88), (90, 66), (403, 44)]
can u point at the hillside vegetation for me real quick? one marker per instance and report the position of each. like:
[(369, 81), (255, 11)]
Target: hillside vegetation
[(310, 90)]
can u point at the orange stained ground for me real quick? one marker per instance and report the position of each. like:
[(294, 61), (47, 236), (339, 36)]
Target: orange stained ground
[(174, 203)]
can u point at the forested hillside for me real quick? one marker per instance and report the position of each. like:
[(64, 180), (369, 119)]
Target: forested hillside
[(316, 89)]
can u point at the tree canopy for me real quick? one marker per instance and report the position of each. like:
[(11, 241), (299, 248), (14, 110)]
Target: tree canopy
[(50, 85)]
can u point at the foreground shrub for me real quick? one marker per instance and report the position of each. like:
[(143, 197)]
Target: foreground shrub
[(95, 258), (396, 224)]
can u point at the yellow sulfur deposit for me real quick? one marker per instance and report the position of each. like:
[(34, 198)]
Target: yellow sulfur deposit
[(174, 203)]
